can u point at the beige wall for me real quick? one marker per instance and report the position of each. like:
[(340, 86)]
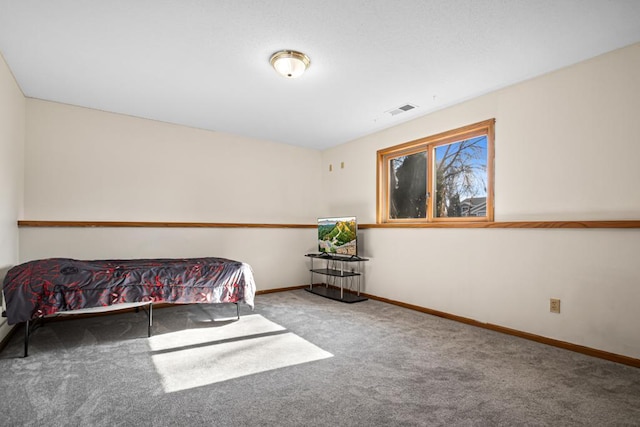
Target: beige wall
[(83, 164), (567, 148), (12, 122)]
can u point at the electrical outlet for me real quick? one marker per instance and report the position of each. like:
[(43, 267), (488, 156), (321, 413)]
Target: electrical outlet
[(554, 305)]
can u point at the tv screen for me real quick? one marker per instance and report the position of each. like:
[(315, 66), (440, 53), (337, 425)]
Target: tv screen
[(338, 235)]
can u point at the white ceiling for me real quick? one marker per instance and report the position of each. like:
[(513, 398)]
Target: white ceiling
[(205, 63)]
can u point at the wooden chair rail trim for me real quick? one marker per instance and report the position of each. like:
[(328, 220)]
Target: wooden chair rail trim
[(502, 224), (153, 224)]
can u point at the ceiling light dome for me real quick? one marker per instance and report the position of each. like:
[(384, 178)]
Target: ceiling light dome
[(289, 63)]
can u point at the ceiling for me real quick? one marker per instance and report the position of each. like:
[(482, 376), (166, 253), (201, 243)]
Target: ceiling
[(205, 63)]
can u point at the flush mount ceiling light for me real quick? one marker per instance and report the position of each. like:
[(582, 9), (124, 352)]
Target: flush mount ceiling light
[(289, 63)]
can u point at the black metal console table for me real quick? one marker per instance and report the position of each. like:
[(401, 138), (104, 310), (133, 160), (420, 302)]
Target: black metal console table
[(340, 269)]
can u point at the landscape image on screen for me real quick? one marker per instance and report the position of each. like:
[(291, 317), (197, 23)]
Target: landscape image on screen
[(337, 235)]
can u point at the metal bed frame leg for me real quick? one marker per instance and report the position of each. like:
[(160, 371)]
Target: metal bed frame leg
[(26, 339), (150, 315), (29, 328)]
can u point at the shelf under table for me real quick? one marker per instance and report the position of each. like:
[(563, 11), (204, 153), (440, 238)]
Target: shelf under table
[(333, 272), (334, 294)]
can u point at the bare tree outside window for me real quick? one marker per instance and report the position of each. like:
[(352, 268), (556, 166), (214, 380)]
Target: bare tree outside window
[(461, 178)]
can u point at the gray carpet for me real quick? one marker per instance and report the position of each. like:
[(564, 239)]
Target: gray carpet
[(362, 364)]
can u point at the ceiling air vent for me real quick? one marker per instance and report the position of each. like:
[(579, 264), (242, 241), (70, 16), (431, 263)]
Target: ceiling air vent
[(402, 109)]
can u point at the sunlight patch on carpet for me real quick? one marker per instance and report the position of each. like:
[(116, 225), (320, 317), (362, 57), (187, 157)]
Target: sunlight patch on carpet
[(253, 344)]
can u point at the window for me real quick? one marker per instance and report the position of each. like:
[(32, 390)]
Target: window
[(442, 178)]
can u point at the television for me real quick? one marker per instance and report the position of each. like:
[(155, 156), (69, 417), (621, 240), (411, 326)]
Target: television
[(338, 235)]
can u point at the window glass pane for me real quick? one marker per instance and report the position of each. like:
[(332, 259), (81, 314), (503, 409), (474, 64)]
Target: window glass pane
[(408, 186), (461, 179)]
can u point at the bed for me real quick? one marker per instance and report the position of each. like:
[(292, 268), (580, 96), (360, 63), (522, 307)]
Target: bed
[(38, 289)]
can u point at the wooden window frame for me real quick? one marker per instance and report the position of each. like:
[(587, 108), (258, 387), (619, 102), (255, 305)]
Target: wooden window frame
[(429, 144)]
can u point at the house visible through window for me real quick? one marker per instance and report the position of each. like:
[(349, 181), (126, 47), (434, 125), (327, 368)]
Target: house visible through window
[(444, 177)]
